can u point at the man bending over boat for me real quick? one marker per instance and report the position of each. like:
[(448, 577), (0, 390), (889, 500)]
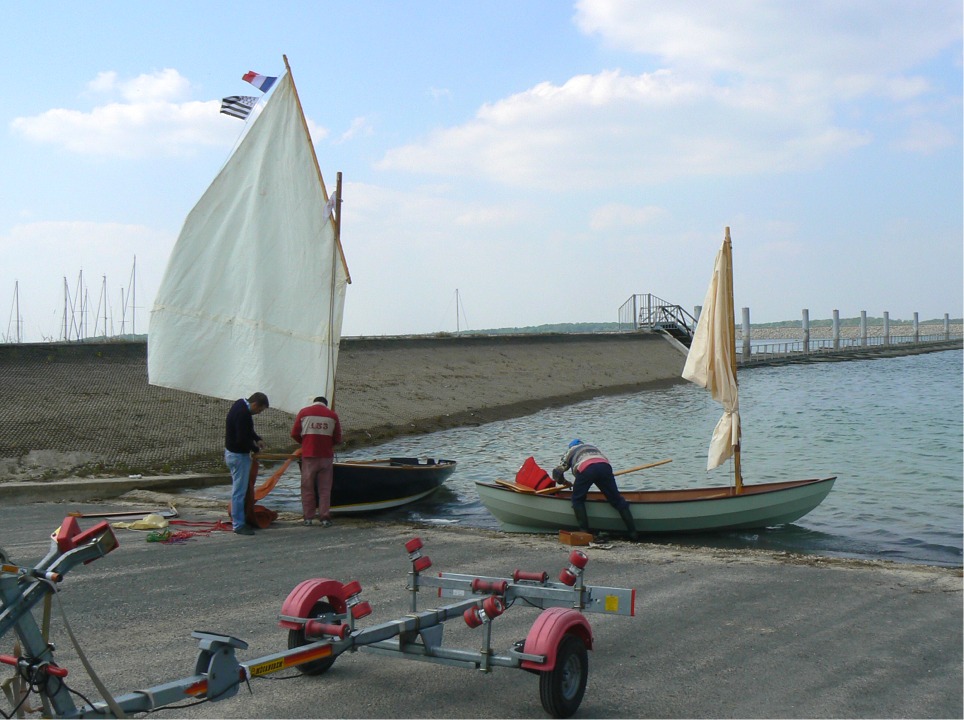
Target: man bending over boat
[(240, 440), (590, 467), (317, 429)]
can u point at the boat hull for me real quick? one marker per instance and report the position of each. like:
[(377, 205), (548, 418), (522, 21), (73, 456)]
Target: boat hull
[(661, 511), (370, 485)]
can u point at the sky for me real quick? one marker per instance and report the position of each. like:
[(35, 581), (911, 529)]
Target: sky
[(539, 161)]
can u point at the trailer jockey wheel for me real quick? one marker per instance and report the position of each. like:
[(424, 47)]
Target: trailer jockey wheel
[(561, 689), (296, 638)]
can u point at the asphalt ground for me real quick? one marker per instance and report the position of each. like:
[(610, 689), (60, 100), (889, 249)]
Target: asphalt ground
[(716, 633)]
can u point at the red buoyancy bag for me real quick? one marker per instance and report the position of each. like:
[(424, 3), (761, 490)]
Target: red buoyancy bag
[(533, 476)]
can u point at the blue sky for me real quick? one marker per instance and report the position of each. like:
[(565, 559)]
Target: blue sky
[(547, 160)]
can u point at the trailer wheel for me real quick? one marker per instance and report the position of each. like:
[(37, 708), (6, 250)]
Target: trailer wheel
[(561, 689), (296, 638)]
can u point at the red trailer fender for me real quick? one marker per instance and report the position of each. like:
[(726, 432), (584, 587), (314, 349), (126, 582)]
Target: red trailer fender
[(547, 632), (300, 600)]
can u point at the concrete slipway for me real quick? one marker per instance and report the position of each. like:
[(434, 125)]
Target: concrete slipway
[(716, 633)]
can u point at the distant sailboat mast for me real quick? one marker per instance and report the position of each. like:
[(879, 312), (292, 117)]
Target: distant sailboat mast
[(16, 320), (459, 313)]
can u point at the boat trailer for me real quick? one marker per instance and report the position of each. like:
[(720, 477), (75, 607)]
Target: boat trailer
[(321, 616)]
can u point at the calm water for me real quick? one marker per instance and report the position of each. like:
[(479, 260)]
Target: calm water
[(890, 429)]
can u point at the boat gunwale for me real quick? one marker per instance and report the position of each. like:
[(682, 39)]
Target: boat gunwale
[(436, 464), (641, 497)]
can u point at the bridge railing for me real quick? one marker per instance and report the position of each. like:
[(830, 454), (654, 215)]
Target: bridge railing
[(645, 311)]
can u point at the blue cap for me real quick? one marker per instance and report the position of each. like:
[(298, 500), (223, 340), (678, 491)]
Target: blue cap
[(575, 442)]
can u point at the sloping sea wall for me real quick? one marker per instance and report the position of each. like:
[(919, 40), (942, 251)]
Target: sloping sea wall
[(87, 409)]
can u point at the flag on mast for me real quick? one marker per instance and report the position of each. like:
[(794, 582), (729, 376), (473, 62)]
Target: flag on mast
[(262, 82), (238, 106)]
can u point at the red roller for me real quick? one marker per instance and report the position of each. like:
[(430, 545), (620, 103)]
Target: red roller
[(362, 609), (56, 670), (472, 617), (494, 586), (567, 577), (414, 544), (534, 576), (423, 563), (578, 558), (351, 589), (313, 629), (493, 606), (49, 668)]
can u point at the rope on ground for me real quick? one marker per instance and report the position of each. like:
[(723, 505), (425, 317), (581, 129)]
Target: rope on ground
[(178, 537)]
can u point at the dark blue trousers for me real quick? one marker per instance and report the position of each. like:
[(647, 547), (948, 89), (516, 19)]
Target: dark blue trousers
[(600, 475)]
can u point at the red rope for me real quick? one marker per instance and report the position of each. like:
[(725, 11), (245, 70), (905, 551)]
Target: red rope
[(205, 525), (205, 528)]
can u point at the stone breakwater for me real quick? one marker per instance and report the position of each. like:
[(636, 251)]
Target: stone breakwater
[(88, 409)]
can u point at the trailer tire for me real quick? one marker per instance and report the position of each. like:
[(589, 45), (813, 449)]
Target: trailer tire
[(296, 638), (561, 689)]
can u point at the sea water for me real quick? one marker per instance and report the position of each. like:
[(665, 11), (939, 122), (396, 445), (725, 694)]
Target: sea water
[(890, 429)]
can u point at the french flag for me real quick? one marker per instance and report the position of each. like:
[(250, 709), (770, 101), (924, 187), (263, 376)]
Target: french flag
[(262, 82)]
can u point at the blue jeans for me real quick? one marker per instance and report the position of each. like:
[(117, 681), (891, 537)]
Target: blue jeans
[(600, 475), (240, 466)]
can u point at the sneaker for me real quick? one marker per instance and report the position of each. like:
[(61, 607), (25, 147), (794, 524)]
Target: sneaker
[(243, 530), (306, 522), (326, 523)]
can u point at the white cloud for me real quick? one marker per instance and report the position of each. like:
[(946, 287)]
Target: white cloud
[(616, 129), (745, 87), (360, 127), (827, 38), (316, 132), (167, 85), (149, 118), (439, 93)]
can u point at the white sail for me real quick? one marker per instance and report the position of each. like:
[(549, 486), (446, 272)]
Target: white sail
[(711, 361), (254, 291)]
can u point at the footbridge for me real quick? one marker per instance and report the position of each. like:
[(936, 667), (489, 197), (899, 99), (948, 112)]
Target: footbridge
[(648, 313)]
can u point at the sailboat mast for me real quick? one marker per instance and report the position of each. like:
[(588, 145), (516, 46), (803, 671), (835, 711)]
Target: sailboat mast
[(331, 303), (737, 472)]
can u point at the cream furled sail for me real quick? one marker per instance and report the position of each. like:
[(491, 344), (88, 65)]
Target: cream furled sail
[(711, 361), (254, 291)]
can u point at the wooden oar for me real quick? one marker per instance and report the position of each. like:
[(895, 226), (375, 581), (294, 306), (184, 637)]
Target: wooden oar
[(274, 456), (556, 488), (170, 513), (643, 467), (268, 485)]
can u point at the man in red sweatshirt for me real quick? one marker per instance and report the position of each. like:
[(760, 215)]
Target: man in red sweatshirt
[(317, 429)]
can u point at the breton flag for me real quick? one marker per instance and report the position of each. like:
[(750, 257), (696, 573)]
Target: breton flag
[(262, 82), (238, 106)]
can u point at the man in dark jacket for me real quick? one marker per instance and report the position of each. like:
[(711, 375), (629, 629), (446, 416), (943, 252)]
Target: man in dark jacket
[(240, 440), (590, 467)]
